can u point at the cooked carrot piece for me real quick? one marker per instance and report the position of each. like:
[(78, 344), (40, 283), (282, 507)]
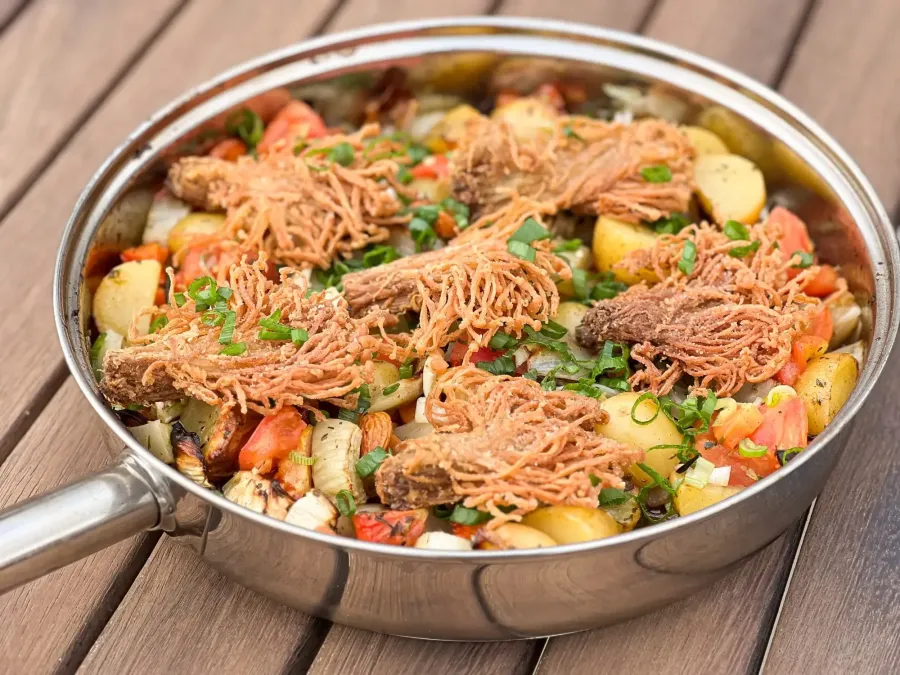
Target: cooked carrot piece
[(229, 149)]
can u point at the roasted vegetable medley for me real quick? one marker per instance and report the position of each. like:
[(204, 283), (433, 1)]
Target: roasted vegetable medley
[(544, 325)]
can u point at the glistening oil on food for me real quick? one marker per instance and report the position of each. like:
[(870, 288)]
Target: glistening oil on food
[(547, 320)]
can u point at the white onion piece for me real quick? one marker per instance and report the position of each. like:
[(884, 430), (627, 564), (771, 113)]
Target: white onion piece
[(720, 476)]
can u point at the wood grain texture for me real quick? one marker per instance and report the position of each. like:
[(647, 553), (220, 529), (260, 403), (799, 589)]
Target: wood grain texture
[(753, 37), (207, 37), (8, 9), (358, 13), (605, 13), (48, 623), (844, 597), (844, 73), (65, 56), (182, 617)]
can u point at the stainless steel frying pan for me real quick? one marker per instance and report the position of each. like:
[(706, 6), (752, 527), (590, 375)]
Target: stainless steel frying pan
[(435, 594)]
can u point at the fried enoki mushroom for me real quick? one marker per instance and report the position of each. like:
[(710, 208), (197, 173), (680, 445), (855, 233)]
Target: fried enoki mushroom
[(258, 369), (463, 293), (336, 196), (728, 318), (503, 441), (585, 165)]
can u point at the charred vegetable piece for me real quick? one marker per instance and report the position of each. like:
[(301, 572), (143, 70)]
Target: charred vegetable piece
[(226, 438), (399, 528), (258, 494), (188, 456), (295, 471), (156, 437), (335, 447), (313, 511)]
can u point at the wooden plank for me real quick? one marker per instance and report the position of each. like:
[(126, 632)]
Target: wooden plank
[(844, 597), (753, 37), (607, 13), (208, 625), (49, 624), (744, 603), (53, 44), (206, 38), (848, 82), (358, 13), (8, 10)]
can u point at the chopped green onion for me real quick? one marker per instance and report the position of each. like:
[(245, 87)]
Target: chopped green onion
[(246, 125), (228, 328), (458, 210), (369, 463), (657, 479), (417, 152), (180, 299), (553, 330), (348, 415), (785, 456), (212, 318), (674, 224), (568, 246), (158, 322), (442, 511), (747, 448), (345, 503), (569, 132), (380, 255), (97, 351), (657, 174), (698, 474), (428, 212), (404, 176), (688, 258), (406, 370), (521, 250), (342, 153), (736, 231), (502, 341), (235, 349), (531, 230), (363, 400), (502, 365), (744, 251), (580, 284), (300, 458), (612, 497), (595, 481), (390, 389), (462, 515), (806, 259), (646, 396), (299, 336), (422, 234)]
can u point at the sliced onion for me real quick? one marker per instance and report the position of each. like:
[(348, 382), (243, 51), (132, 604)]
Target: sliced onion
[(413, 430)]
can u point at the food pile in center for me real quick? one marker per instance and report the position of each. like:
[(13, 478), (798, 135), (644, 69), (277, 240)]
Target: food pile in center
[(398, 334)]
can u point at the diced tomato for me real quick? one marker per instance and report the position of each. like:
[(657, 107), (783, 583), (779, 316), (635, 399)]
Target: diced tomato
[(745, 471), (505, 97), (433, 167), (229, 149), (274, 439), (823, 284), (295, 120), (805, 348), (731, 427), (160, 298), (822, 325), (549, 93), (794, 235), (400, 528), (197, 262), (464, 531), (458, 353), (151, 251), (784, 426)]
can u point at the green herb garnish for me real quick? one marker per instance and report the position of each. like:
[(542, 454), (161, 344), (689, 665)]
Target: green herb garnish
[(369, 463), (688, 258), (234, 349), (736, 231), (345, 503), (502, 365), (744, 251), (462, 515), (521, 250), (806, 259), (657, 174)]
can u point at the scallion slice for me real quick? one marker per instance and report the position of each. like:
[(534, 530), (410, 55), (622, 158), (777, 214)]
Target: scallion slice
[(345, 503), (747, 448), (228, 327), (521, 250), (369, 463)]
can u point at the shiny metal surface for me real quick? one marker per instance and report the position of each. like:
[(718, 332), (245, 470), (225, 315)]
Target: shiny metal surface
[(503, 594)]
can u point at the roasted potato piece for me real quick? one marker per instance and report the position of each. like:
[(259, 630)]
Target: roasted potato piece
[(191, 226), (127, 289), (740, 137), (572, 524), (515, 536), (430, 189), (825, 386), (225, 440), (445, 135), (527, 117), (705, 142), (661, 431), (407, 391), (730, 188), (627, 514), (614, 240), (689, 499), (262, 495)]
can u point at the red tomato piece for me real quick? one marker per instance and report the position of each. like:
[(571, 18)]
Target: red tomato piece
[(822, 325), (274, 439), (433, 167), (823, 284), (784, 426), (295, 120), (151, 251), (458, 353), (794, 235), (229, 149), (549, 93), (730, 428), (465, 531), (805, 348), (400, 528)]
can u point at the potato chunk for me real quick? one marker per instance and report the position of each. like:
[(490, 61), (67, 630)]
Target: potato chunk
[(614, 240), (705, 142), (730, 188), (127, 289), (825, 386), (572, 524)]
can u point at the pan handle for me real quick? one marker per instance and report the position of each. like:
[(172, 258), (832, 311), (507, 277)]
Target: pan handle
[(50, 531)]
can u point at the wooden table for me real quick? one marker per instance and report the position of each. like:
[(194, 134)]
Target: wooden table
[(78, 75)]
